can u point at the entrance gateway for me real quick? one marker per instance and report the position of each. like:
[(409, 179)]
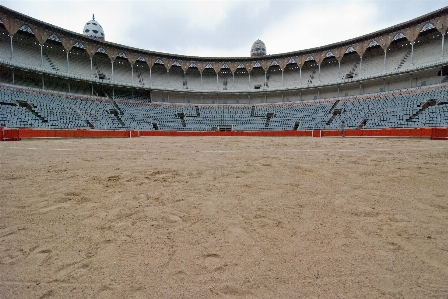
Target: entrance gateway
[(223, 128)]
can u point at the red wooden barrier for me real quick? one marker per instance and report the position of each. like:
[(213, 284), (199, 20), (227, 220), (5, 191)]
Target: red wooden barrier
[(10, 135), (439, 134), (17, 134), (47, 133), (228, 133)]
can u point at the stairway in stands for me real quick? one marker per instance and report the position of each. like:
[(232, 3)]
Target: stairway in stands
[(181, 115), (336, 112), (352, 72), (89, 124), (296, 125), (252, 113), (99, 73), (424, 106), (141, 80), (115, 112), (31, 109), (310, 80), (83, 116), (269, 115), (403, 60), (333, 107), (363, 123), (116, 106), (50, 62)]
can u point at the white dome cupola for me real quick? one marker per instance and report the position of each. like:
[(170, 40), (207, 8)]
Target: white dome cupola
[(93, 29)]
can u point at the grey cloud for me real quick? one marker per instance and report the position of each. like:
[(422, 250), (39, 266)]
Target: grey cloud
[(243, 24)]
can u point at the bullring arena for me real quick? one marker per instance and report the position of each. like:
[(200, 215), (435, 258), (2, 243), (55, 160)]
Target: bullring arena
[(314, 174)]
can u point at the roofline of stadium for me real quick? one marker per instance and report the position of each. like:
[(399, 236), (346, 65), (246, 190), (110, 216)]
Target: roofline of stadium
[(438, 17)]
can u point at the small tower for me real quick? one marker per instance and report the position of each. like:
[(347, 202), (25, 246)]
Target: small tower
[(258, 49), (93, 29)]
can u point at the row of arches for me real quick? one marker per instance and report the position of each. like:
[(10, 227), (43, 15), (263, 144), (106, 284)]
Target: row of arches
[(79, 63), (69, 41)]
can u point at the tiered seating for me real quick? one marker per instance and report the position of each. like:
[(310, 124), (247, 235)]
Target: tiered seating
[(241, 80), (425, 50), (329, 71), (123, 71), (5, 44), (17, 117), (135, 116), (79, 62), (42, 109), (397, 56), (102, 67), (56, 113), (291, 76), (372, 61), (392, 110), (159, 76), (26, 50), (54, 57), (410, 108)]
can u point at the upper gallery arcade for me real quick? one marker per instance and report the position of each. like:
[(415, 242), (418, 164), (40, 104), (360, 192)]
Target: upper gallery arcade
[(256, 65)]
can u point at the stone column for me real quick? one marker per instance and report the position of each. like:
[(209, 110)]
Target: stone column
[(132, 73), (339, 69), (41, 56), (112, 68), (319, 73), (283, 82), (68, 65), (360, 67), (12, 48), (443, 45)]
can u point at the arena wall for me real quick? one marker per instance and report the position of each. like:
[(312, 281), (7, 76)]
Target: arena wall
[(19, 134)]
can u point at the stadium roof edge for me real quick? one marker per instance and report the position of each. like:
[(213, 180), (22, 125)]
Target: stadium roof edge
[(348, 42)]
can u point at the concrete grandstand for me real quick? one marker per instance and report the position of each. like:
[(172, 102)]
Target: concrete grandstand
[(53, 78)]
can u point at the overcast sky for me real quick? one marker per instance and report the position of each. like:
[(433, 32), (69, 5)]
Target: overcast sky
[(227, 28)]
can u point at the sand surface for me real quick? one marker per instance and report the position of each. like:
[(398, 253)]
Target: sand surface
[(231, 217)]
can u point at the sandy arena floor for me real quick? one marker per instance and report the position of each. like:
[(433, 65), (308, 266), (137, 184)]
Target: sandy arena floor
[(231, 217)]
